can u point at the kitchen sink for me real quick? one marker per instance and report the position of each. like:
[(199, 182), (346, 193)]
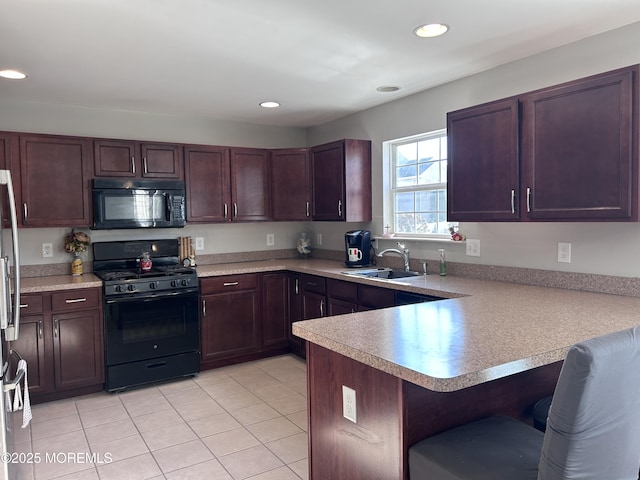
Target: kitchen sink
[(383, 273)]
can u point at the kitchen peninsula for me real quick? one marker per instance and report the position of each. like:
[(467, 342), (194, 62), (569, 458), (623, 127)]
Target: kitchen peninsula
[(420, 369)]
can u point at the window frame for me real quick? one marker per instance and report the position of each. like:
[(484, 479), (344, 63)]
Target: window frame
[(390, 189)]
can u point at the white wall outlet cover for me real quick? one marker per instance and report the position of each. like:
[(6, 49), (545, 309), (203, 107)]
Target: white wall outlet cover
[(47, 250), (271, 239), (473, 247), (318, 239), (349, 404), (199, 243), (564, 252)]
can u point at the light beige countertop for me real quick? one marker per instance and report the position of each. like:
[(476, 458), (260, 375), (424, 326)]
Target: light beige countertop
[(483, 331), (58, 282)]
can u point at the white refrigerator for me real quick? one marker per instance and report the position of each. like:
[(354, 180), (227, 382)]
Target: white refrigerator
[(9, 323)]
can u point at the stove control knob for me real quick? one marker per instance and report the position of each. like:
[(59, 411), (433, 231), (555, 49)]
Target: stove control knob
[(185, 282), (175, 283), (153, 285), (131, 288), (119, 288)]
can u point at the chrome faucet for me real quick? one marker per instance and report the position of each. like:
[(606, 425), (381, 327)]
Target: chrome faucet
[(404, 253)]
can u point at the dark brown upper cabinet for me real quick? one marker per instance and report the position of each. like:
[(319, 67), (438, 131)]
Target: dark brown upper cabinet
[(207, 183), (55, 174), (563, 153), (341, 181), (290, 171), (124, 158)]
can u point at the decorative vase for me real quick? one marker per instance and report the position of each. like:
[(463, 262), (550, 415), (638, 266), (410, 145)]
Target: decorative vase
[(303, 245), (76, 265)]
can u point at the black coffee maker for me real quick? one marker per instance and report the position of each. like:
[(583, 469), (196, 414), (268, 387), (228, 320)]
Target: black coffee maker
[(357, 244)]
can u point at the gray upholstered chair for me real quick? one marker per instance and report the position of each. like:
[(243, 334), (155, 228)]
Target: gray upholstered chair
[(593, 428)]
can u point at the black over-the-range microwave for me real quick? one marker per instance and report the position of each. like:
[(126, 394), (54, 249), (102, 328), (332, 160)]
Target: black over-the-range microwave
[(121, 203)]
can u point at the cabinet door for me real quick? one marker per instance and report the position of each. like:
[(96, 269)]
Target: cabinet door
[(275, 304), (78, 349), (162, 160), (578, 149), (31, 347), (250, 184), (295, 313), (341, 181), (339, 307), (55, 173), (314, 305), (207, 173), (114, 158), (231, 313), (482, 169), (327, 167), (290, 185)]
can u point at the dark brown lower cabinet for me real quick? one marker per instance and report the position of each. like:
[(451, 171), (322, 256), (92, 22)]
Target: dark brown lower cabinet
[(275, 301), (61, 338), (230, 315)]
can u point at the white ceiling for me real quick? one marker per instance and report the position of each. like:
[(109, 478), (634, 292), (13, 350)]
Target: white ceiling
[(322, 59)]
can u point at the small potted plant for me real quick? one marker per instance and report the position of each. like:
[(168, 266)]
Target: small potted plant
[(76, 244)]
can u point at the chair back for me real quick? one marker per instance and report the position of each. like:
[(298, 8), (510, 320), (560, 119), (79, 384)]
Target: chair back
[(593, 429)]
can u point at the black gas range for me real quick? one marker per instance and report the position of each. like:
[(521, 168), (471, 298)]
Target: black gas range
[(151, 317)]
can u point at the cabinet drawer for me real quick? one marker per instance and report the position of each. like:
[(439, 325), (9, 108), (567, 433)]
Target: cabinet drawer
[(347, 291), (75, 300), (311, 283), (229, 283), (30, 304)]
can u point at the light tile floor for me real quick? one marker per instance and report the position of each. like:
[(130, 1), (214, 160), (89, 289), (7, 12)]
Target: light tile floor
[(236, 422)]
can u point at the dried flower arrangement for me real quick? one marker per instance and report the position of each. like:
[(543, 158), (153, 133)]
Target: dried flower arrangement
[(76, 242)]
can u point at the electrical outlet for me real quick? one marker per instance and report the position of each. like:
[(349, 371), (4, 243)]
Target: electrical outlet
[(199, 243), (473, 247), (349, 403), (271, 239), (564, 252), (47, 250), (318, 239)]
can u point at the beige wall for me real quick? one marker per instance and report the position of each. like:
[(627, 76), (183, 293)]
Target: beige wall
[(605, 248)]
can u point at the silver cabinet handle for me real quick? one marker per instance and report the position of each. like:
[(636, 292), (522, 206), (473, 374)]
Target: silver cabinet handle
[(144, 165), (528, 199), (40, 329), (230, 284), (235, 210), (513, 201), (204, 308), (307, 209), (225, 210), (75, 300), (297, 286), (322, 308), (24, 305), (340, 208), (55, 328), (24, 210), (133, 165)]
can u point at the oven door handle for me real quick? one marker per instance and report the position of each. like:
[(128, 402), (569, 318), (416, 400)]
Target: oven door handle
[(148, 297)]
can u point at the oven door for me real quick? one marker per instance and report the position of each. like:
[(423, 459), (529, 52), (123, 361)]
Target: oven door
[(148, 326)]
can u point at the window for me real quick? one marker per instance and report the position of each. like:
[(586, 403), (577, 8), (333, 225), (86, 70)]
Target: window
[(418, 184)]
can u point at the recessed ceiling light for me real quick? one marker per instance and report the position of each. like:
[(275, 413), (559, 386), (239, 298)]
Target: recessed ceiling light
[(387, 88), (269, 104), (431, 30), (12, 74)]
